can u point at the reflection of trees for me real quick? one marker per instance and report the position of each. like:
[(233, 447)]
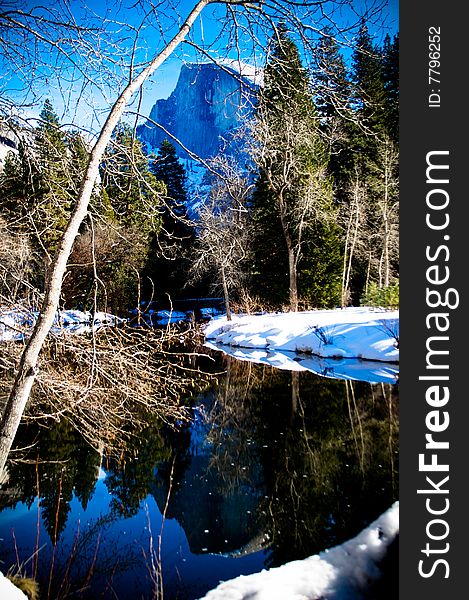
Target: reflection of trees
[(60, 462), (275, 458), (325, 452), (130, 477), (335, 474)]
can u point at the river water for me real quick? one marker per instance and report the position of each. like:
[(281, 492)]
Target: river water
[(274, 466)]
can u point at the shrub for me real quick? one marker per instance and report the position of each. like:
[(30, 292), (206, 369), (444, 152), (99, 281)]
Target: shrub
[(386, 297)]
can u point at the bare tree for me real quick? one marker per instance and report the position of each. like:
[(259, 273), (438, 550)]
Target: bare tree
[(353, 221), (223, 236), (386, 189), (16, 258), (370, 221)]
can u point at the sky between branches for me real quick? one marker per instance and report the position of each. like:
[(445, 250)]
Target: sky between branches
[(213, 35)]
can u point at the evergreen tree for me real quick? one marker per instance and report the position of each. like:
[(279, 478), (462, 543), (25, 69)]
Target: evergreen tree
[(78, 157), (168, 169), (35, 183), (390, 61), (129, 208), (293, 213), (39, 186), (114, 243), (369, 198), (52, 198), (16, 186), (133, 191), (269, 272), (332, 88), (370, 94), (168, 261), (332, 93)]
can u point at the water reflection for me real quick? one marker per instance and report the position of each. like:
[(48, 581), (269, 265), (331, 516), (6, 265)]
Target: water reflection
[(353, 369), (276, 466), (294, 462)]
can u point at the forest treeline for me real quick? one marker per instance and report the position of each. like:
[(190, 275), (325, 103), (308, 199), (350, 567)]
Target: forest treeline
[(309, 220)]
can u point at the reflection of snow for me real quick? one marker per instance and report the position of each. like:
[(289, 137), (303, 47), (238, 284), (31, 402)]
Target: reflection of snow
[(334, 368), (341, 573), (17, 324)]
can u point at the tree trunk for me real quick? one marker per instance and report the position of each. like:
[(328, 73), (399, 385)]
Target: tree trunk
[(292, 262), (27, 369), (226, 294), (293, 280), (350, 247)]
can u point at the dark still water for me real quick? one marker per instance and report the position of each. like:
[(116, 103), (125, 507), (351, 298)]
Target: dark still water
[(275, 466)]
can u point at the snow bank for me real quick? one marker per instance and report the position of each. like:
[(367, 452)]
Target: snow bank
[(363, 333), (344, 572), (8, 591), (17, 323)]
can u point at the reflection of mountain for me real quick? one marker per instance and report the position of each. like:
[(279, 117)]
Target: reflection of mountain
[(214, 520), (216, 503)]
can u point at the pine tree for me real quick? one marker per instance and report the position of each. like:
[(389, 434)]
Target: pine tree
[(168, 261), (133, 191), (168, 169), (131, 204), (368, 78), (34, 183), (16, 188), (293, 212), (52, 198), (390, 69), (332, 93), (39, 187), (331, 85), (369, 205)]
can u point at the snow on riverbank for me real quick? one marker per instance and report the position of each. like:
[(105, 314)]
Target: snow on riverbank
[(364, 333), (17, 323), (341, 573), (8, 591), (352, 343)]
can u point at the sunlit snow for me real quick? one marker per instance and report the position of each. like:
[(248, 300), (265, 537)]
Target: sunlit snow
[(351, 343)]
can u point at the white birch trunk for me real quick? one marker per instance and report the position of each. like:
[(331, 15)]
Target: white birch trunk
[(27, 369)]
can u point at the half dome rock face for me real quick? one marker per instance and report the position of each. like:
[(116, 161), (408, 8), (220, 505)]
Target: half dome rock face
[(207, 105)]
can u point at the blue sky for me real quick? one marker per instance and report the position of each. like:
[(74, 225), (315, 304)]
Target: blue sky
[(212, 31)]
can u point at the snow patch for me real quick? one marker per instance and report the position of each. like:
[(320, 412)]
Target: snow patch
[(351, 369), (17, 323), (341, 333), (341, 573)]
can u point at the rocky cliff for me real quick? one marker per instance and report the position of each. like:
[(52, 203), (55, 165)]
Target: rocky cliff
[(207, 105)]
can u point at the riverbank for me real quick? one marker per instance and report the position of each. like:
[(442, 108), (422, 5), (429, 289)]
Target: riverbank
[(359, 333)]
